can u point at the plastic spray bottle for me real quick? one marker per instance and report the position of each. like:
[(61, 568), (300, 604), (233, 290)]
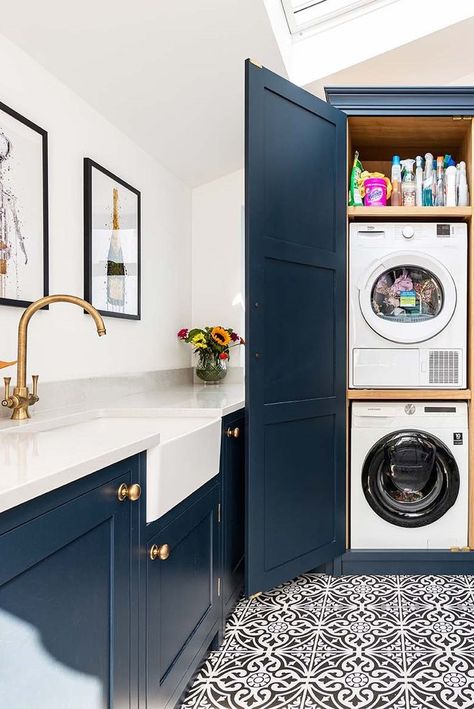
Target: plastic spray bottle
[(408, 183), (440, 196), (451, 186), (428, 181), (419, 181), (463, 189), (396, 177)]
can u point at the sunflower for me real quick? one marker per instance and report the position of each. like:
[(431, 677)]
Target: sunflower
[(220, 336), (199, 341)]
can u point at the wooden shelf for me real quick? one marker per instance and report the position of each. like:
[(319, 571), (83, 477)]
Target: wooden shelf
[(408, 394), (409, 212)]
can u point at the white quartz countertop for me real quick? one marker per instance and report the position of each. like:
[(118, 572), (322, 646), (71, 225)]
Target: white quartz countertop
[(56, 448)]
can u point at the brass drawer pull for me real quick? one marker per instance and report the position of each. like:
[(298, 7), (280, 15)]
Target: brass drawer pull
[(129, 492), (233, 432), (161, 552)]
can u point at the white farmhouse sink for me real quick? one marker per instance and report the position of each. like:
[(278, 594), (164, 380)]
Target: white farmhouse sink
[(187, 457)]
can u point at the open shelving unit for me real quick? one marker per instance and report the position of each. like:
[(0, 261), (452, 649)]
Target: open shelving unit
[(377, 138), (409, 213)]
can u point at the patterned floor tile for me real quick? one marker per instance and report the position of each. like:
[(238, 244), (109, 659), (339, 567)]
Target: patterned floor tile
[(355, 642)]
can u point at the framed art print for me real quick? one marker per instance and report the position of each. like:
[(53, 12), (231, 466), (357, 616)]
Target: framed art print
[(111, 243), (23, 209)]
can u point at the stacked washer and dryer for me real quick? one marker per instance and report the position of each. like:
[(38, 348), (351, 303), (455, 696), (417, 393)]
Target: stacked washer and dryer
[(408, 330)]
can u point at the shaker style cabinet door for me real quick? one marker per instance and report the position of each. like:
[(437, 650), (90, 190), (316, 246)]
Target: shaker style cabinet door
[(295, 328), (65, 605), (182, 598)]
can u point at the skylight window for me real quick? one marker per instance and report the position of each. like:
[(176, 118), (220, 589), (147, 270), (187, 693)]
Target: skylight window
[(307, 16)]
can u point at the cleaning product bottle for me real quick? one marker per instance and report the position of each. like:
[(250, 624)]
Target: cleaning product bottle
[(440, 196), (396, 182), (433, 184), (408, 183), (355, 199), (428, 181), (419, 181), (450, 186), (463, 189)]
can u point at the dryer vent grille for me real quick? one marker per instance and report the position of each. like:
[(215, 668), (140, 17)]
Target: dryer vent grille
[(444, 367)]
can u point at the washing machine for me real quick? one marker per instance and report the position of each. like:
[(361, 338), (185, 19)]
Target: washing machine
[(408, 305), (409, 475)]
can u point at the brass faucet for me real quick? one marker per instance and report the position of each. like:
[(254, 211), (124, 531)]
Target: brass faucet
[(21, 398)]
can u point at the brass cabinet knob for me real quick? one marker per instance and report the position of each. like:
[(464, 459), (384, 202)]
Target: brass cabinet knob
[(161, 552), (233, 432), (129, 492)]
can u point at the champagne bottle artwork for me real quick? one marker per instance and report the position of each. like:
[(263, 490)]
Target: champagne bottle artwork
[(116, 272), (112, 243)]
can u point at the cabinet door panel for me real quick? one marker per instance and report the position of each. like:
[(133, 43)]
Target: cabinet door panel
[(295, 325), (181, 598), (233, 513), (65, 606)]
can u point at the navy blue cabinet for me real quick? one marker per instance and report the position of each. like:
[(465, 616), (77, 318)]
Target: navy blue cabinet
[(295, 324), (183, 607), (66, 584), (233, 510)]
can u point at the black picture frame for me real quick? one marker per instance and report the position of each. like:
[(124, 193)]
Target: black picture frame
[(19, 303), (89, 166)]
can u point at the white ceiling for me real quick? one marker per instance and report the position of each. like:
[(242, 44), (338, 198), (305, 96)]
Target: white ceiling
[(169, 73)]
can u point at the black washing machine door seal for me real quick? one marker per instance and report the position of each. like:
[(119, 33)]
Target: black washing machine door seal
[(410, 478)]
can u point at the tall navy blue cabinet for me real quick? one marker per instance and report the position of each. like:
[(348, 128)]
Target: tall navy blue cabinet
[(67, 578), (296, 323)]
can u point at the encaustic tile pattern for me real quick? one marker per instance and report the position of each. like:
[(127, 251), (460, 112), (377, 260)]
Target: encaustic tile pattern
[(355, 642)]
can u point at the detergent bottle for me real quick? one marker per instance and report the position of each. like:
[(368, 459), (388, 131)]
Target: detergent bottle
[(408, 183), (396, 182)]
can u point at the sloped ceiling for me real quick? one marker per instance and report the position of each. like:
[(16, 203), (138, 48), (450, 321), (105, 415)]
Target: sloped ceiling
[(169, 73)]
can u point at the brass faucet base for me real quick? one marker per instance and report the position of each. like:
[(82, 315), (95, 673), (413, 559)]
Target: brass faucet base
[(20, 414)]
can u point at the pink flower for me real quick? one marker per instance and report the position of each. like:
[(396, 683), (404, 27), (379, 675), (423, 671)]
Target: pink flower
[(183, 333)]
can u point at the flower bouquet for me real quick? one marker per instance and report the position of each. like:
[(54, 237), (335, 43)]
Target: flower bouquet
[(212, 347)]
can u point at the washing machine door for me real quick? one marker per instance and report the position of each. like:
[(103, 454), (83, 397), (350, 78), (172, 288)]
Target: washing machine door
[(410, 478), (407, 297)]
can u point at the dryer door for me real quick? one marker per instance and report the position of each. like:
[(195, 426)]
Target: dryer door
[(407, 297), (410, 478)]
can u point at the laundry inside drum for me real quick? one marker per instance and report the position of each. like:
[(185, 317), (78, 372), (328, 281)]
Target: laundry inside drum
[(407, 294)]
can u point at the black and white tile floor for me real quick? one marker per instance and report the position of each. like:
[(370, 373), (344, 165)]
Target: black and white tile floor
[(355, 642)]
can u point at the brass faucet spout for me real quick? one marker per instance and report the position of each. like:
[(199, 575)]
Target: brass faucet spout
[(21, 398)]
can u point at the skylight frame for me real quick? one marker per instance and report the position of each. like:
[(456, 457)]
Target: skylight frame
[(305, 17)]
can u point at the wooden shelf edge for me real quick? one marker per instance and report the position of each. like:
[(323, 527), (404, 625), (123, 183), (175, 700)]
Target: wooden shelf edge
[(409, 212), (408, 394)]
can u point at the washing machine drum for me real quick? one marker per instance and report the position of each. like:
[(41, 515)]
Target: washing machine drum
[(410, 478)]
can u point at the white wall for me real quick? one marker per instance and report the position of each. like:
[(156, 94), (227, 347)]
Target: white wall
[(217, 255), (63, 343)]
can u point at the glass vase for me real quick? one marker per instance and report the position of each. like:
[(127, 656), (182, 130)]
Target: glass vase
[(211, 371)]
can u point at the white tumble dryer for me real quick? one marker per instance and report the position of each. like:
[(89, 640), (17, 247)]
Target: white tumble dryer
[(408, 305), (409, 475)]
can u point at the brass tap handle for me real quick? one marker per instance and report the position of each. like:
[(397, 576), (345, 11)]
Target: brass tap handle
[(6, 397), (35, 385), (233, 432)]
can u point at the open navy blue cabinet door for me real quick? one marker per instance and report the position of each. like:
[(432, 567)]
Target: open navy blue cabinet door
[(296, 324)]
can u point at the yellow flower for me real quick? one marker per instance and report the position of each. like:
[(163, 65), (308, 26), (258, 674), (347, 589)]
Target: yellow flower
[(199, 341), (220, 336)]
